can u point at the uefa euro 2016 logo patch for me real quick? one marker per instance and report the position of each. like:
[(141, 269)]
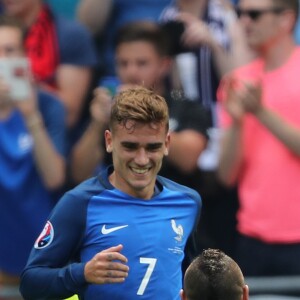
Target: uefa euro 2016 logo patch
[(46, 237)]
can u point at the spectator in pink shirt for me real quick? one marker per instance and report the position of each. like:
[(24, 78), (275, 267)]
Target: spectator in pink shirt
[(260, 144)]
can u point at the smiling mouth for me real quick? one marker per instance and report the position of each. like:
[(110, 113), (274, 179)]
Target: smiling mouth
[(140, 170)]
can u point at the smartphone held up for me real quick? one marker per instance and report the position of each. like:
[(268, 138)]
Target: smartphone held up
[(16, 73)]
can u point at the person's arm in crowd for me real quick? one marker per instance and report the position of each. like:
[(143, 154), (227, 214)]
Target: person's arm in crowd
[(230, 159), (74, 74), (248, 99), (239, 52), (186, 146), (190, 138), (73, 83), (197, 33), (49, 162), (94, 14), (88, 151), (287, 133)]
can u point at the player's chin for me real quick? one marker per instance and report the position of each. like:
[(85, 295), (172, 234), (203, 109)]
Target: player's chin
[(140, 186), (141, 181)]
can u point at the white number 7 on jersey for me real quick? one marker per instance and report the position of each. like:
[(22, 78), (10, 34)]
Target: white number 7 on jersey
[(151, 262)]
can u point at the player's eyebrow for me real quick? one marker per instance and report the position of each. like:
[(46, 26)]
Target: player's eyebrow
[(154, 145), (136, 145)]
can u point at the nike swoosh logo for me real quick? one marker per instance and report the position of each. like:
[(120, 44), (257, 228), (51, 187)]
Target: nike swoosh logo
[(105, 230)]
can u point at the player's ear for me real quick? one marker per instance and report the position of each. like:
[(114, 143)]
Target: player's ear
[(182, 295), (167, 144), (108, 141), (245, 292)]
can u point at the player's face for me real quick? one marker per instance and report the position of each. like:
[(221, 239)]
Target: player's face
[(137, 156), (261, 21), (138, 63)]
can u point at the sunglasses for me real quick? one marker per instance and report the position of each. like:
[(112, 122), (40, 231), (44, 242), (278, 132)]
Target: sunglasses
[(255, 14)]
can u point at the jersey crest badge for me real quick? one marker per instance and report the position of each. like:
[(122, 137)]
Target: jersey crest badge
[(178, 229), (46, 237)]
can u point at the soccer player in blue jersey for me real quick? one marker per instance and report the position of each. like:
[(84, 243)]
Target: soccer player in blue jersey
[(122, 234)]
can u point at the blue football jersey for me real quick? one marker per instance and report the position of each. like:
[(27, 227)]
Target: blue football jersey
[(95, 216)]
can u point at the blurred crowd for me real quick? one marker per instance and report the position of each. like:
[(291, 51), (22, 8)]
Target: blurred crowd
[(192, 52)]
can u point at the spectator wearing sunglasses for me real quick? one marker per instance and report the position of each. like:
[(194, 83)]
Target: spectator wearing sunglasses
[(255, 14), (260, 148)]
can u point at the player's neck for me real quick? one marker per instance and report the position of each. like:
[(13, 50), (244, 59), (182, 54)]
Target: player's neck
[(118, 182)]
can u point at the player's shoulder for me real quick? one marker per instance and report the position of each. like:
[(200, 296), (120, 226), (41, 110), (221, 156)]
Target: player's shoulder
[(88, 187), (176, 187), (80, 195)]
